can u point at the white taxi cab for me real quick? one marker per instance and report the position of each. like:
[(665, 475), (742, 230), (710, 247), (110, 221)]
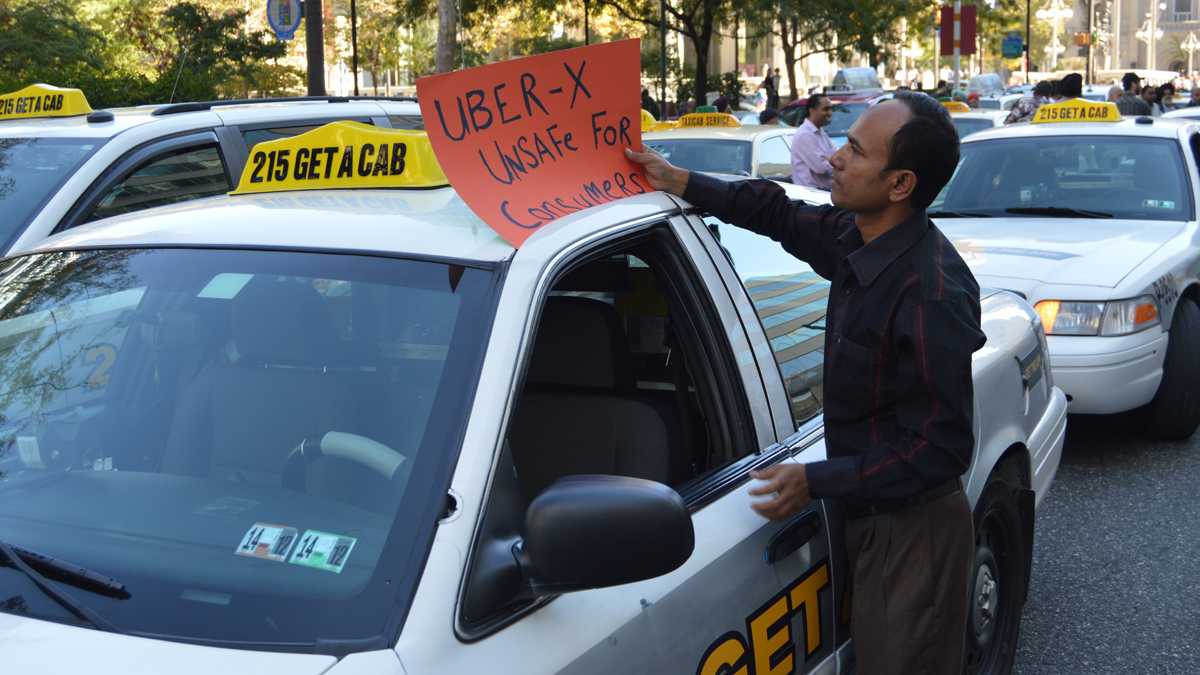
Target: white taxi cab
[(1093, 219), (718, 143), (63, 164), (969, 120), (355, 431)]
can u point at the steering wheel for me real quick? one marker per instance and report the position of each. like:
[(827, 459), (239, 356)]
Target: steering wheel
[(389, 464)]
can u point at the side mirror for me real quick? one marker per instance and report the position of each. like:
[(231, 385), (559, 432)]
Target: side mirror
[(595, 531)]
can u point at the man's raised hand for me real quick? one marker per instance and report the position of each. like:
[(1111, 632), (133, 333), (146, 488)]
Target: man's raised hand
[(788, 483), (662, 174)]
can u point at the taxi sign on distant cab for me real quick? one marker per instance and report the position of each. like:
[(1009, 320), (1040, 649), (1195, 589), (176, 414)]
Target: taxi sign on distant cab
[(343, 155), (708, 120), (43, 100), (956, 106), (1077, 110)]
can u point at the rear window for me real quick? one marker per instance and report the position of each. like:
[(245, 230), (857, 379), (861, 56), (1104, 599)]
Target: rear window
[(965, 126), (1117, 176), (731, 157), (31, 170)]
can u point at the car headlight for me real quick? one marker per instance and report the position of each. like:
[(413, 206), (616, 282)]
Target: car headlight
[(1117, 317)]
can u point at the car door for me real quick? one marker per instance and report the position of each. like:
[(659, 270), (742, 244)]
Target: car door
[(754, 596), (782, 302)]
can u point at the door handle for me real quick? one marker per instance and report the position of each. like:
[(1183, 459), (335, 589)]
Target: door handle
[(796, 533)]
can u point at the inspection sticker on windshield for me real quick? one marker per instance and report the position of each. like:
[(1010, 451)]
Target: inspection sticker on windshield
[(268, 542), (323, 551)]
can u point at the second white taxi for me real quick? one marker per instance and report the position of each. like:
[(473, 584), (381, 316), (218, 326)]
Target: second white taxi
[(1093, 218)]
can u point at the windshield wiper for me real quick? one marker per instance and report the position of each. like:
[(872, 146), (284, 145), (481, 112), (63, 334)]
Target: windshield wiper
[(67, 573), (1060, 211), (958, 214)]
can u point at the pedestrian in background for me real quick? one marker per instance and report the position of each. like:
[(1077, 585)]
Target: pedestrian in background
[(1114, 93), (649, 104), (1026, 106), (1071, 86), (1166, 97), (771, 85), (1150, 96), (1130, 103), (1194, 100), (811, 147), (768, 116), (901, 325)]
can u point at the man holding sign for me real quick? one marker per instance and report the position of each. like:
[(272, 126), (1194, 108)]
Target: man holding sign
[(902, 323)]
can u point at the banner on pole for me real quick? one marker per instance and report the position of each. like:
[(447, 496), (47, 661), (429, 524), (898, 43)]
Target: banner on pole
[(966, 30)]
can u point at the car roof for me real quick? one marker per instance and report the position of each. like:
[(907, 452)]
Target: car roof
[(1129, 126), (228, 112), (980, 114), (432, 223), (747, 132)]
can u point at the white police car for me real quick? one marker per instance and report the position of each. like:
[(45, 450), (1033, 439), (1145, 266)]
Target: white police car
[(352, 431), (1093, 219), (63, 164), (718, 143)]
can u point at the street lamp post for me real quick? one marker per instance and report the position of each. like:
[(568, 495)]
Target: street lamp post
[(1190, 44), (1055, 13), (1150, 33)]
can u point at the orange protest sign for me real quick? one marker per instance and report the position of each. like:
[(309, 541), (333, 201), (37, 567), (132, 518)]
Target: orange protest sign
[(528, 141)]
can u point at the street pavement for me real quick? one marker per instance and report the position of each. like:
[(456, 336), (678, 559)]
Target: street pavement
[(1116, 564)]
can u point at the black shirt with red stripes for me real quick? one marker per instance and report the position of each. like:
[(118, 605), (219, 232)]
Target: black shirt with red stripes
[(901, 325)]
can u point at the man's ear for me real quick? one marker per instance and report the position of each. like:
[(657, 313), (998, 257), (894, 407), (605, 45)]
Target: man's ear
[(902, 185)]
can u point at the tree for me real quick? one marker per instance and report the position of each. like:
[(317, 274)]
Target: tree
[(804, 28), (697, 20), (446, 35)]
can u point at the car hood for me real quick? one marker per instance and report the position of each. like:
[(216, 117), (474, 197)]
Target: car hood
[(1020, 253), (34, 646)]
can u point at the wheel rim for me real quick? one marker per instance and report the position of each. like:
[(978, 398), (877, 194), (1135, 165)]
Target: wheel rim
[(991, 614)]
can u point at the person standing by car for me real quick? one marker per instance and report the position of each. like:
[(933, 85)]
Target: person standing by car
[(901, 325), (1130, 103), (811, 147), (771, 85), (1025, 107), (650, 105)]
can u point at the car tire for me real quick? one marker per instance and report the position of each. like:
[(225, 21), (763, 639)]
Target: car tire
[(1174, 413), (997, 582)]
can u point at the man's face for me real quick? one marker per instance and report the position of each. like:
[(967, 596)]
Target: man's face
[(1148, 94), (822, 115), (860, 183)]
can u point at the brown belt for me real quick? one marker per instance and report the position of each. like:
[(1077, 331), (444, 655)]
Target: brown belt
[(882, 506)]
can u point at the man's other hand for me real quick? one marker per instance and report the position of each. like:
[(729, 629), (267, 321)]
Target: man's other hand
[(789, 484), (662, 174)]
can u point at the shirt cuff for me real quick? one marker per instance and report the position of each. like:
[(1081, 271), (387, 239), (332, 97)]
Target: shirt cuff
[(832, 478)]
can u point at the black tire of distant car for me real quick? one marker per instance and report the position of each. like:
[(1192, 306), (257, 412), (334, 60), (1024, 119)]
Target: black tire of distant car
[(1175, 411), (997, 582)]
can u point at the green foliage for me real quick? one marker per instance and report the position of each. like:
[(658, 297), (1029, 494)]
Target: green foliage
[(731, 87)]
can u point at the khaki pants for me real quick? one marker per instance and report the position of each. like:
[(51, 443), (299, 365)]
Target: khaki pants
[(910, 584)]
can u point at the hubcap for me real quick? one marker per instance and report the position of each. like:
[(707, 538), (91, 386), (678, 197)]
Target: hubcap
[(986, 597)]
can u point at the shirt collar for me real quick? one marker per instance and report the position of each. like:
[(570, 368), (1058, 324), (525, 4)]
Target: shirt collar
[(809, 126), (868, 261)]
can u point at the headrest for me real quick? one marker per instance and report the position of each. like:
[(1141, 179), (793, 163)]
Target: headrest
[(580, 343), (281, 322)]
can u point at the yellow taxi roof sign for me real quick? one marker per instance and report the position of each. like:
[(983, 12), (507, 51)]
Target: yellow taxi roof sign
[(343, 155), (1077, 110), (43, 100), (956, 106), (665, 125), (708, 120), (648, 120)]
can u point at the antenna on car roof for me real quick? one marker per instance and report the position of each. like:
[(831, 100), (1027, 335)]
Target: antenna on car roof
[(182, 60)]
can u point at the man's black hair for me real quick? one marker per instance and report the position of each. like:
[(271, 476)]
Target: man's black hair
[(926, 144), (813, 101), (1130, 81), (1071, 86), (1043, 88), (768, 116), (1056, 88)]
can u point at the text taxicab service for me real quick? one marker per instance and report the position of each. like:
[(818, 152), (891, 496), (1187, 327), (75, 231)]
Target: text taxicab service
[(43, 100), (1077, 110)]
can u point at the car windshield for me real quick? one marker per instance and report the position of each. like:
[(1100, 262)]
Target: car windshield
[(731, 157), (1114, 176), (844, 115), (965, 126), (31, 170), (246, 439)]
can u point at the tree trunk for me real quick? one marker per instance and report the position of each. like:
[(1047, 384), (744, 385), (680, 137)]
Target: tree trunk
[(447, 35), (701, 43), (787, 39)]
